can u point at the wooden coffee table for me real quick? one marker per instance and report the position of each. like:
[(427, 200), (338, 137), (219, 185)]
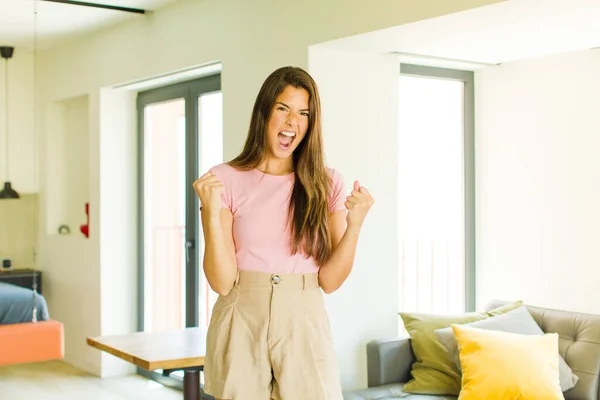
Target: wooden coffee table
[(179, 350)]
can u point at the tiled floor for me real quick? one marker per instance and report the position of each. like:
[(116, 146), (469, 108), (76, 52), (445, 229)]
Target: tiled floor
[(55, 380)]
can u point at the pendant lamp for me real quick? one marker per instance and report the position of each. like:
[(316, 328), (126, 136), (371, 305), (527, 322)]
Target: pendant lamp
[(7, 192)]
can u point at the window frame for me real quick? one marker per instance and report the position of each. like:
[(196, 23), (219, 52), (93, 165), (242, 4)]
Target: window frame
[(468, 79)]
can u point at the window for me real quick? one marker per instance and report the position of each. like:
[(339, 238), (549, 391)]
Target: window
[(210, 133), (436, 182)]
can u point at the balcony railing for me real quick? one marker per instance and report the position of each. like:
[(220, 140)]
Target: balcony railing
[(432, 276)]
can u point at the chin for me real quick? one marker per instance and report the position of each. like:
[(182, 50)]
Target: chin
[(282, 154)]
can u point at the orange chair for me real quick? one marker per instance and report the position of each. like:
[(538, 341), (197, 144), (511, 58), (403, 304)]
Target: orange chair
[(31, 342)]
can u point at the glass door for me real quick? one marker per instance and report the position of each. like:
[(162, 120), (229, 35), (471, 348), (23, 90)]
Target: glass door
[(164, 203), (180, 135)]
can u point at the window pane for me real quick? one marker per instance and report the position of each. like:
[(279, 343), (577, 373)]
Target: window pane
[(210, 112), (164, 215), (432, 270)]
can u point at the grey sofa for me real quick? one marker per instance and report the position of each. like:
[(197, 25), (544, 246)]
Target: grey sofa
[(389, 361)]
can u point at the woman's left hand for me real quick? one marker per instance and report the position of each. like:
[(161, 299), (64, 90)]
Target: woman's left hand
[(358, 204)]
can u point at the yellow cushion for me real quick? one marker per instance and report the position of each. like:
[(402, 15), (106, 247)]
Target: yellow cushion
[(506, 366)]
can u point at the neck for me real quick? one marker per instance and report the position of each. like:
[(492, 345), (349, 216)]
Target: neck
[(276, 166)]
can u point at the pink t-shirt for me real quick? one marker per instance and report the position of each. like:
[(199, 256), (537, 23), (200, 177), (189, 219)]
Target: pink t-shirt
[(259, 205)]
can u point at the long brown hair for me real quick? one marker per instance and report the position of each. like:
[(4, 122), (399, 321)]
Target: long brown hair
[(308, 209)]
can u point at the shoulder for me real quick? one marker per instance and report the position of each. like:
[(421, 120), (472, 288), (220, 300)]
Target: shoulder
[(335, 176), (225, 171), (336, 182), (336, 191), (222, 169)]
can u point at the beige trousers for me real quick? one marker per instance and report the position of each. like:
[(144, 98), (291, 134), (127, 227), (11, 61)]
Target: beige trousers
[(270, 338)]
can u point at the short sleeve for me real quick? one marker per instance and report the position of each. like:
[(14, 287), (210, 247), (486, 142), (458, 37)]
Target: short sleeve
[(221, 172), (337, 196)]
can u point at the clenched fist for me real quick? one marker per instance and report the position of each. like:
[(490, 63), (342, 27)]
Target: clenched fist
[(209, 188), (358, 204)]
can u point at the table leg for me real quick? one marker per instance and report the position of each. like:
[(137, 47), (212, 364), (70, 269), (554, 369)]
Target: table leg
[(191, 384)]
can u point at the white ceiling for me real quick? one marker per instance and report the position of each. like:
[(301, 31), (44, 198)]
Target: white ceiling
[(507, 31), (58, 21)]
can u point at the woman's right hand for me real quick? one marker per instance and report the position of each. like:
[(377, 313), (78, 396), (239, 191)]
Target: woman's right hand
[(209, 188)]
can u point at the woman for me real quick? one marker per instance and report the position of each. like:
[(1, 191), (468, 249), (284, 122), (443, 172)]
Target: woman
[(278, 229)]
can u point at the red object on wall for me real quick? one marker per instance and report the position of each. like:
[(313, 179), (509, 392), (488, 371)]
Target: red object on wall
[(85, 229)]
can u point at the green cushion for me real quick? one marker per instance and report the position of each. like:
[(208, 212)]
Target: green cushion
[(433, 371)]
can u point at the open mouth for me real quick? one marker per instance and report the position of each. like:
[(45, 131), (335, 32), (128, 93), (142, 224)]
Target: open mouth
[(286, 138)]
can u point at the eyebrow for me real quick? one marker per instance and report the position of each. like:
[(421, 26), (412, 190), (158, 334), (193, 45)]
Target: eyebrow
[(285, 105)]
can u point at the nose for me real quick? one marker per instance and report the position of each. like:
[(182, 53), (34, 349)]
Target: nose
[(292, 119)]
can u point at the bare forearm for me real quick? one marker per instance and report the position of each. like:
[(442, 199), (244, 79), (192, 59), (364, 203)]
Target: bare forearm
[(219, 265), (335, 271)]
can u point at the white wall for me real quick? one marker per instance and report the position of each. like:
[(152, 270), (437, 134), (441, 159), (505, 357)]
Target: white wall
[(537, 185), (118, 255), (361, 141), (250, 38)]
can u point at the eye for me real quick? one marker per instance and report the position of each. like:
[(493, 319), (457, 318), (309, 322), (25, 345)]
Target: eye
[(305, 114), (280, 108)]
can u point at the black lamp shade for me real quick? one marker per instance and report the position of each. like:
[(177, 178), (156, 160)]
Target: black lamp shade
[(8, 192)]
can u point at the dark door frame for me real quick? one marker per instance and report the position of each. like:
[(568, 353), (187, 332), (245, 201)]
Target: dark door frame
[(190, 91)]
